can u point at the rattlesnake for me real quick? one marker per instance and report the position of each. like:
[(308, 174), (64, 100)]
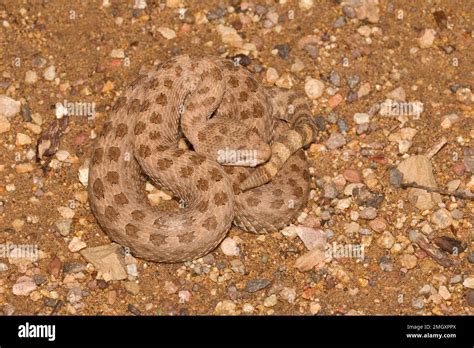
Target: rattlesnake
[(220, 108)]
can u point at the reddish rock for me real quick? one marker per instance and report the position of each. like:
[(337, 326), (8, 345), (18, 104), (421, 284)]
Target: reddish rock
[(54, 267), (309, 294), (335, 100), (379, 224), (352, 175), (380, 159), (459, 168)]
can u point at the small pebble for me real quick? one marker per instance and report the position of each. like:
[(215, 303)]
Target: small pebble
[(270, 301), (408, 261), (335, 141), (386, 240), (314, 88), (31, 77), (441, 218), (283, 50), (50, 73), (229, 247), (427, 38), (361, 118), (418, 302), (63, 226), (368, 213)]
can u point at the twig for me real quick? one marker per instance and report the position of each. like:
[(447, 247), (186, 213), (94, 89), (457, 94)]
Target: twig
[(420, 240), (459, 195), (436, 147), (57, 307)]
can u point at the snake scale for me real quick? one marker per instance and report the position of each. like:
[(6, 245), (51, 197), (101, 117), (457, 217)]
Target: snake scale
[(246, 165)]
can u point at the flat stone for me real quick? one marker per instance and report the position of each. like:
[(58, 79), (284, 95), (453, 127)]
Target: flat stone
[(470, 298), (444, 292), (311, 237), (24, 286), (379, 224), (76, 244), (361, 118), (9, 107), (441, 218), (386, 240), (418, 169), (108, 261), (5, 125), (448, 120), (335, 141), (352, 175), (270, 301), (132, 287), (314, 258), (167, 33), (368, 213), (170, 288), (31, 77), (50, 73), (23, 139), (63, 226), (427, 38), (468, 282), (226, 307), (398, 94), (408, 261)]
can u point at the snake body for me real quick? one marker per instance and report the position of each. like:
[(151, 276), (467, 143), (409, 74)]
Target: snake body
[(233, 124)]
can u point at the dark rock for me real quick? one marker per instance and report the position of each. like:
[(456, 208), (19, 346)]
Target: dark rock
[(261, 10), (335, 78), (312, 50), (348, 11), (26, 113), (50, 302), (39, 279), (353, 80), (320, 122), (470, 297), (340, 22), (448, 49), (242, 59), (283, 50), (73, 267), (396, 177), (450, 245), (255, 285), (470, 257), (352, 96), (216, 14), (134, 310)]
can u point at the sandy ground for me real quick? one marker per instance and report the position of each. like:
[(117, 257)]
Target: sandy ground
[(349, 59)]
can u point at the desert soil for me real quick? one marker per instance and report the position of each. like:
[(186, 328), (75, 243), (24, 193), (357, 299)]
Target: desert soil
[(412, 250)]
